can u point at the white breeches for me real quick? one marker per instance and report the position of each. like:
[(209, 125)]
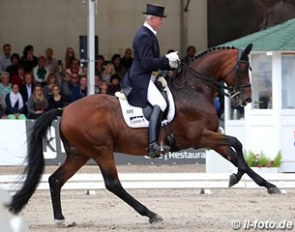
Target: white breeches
[(154, 96)]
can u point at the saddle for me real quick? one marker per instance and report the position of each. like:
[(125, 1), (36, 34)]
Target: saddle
[(137, 117)]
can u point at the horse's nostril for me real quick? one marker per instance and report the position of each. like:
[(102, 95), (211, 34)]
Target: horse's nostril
[(249, 99)]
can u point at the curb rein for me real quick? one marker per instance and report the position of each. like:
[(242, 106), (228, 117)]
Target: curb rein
[(233, 90)]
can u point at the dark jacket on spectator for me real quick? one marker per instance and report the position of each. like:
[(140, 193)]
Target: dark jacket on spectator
[(78, 93), (52, 104), (12, 109)]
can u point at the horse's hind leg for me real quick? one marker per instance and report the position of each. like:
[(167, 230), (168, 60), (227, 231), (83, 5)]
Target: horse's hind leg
[(71, 165), (112, 183)]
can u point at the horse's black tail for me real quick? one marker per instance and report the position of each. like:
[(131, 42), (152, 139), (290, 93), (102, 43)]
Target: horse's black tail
[(35, 159)]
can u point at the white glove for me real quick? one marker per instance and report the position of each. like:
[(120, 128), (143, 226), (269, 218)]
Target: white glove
[(173, 64), (173, 59)]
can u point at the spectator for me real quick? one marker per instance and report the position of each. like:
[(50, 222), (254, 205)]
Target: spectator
[(14, 104), (104, 87), (2, 106), (75, 67), (69, 86), (100, 66), (97, 83), (119, 69), (127, 59), (66, 79), (19, 78), (15, 63), (56, 99), (84, 71), (2, 115), (5, 86), (51, 81), (190, 54), (37, 103), (216, 103), (51, 63), (5, 59), (108, 72), (114, 86), (27, 89), (80, 90), (41, 72), (69, 57), (28, 60)]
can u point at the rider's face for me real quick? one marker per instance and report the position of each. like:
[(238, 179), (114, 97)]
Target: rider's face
[(156, 22)]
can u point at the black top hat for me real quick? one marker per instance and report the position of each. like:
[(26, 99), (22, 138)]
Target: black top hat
[(155, 10)]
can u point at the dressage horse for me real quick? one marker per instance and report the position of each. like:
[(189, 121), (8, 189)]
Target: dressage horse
[(93, 128)]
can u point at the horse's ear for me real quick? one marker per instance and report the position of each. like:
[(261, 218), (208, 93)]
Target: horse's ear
[(248, 49), (246, 52)]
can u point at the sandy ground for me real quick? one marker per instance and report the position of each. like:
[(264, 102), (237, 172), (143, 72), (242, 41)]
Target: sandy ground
[(181, 209)]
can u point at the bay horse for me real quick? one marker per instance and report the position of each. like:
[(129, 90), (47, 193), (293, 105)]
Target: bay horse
[(94, 128)]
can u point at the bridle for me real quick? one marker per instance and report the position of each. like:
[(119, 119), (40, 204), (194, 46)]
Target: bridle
[(234, 89)]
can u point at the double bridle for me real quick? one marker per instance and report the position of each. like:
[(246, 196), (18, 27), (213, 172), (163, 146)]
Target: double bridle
[(234, 89)]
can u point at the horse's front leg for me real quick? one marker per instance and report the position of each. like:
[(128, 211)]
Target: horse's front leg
[(271, 188), (228, 153), (215, 142), (231, 148)]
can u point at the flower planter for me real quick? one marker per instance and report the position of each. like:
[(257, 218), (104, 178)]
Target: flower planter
[(266, 170)]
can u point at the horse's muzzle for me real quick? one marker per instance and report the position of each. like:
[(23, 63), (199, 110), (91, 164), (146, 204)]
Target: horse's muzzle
[(246, 101)]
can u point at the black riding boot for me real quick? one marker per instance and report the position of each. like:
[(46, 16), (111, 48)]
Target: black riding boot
[(154, 149)]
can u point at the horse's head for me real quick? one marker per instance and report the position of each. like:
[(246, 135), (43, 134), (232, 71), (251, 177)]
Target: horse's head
[(236, 76), (226, 64)]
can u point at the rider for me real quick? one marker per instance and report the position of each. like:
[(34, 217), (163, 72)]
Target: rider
[(138, 84)]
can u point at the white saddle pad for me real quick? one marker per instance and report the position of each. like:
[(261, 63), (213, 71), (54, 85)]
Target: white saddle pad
[(134, 116)]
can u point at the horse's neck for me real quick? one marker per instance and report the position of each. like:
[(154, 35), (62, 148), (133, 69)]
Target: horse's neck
[(207, 75), (216, 65), (191, 91)]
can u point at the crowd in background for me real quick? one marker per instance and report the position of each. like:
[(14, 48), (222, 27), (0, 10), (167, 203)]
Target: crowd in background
[(30, 84)]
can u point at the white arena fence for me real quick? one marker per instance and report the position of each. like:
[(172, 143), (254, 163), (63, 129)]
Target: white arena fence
[(155, 180)]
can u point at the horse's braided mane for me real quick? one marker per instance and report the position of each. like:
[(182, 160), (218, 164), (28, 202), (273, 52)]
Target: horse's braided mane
[(204, 53)]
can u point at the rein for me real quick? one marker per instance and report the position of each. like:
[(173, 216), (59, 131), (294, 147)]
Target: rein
[(201, 76), (233, 89)]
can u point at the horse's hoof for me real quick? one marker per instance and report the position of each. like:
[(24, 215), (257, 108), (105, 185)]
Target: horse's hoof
[(60, 223), (155, 219), (232, 180), (274, 190), (73, 224)]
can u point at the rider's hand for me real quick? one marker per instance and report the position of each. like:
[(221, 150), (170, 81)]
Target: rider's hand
[(173, 57), (173, 64)]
